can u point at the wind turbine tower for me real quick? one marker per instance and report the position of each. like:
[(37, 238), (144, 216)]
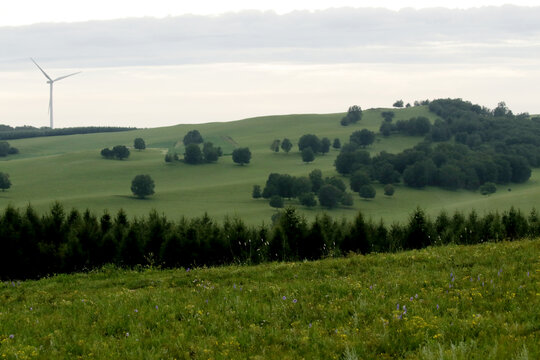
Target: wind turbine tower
[(51, 82)]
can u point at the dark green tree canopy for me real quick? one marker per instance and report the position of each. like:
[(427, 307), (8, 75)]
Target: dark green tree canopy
[(193, 154), (139, 144), (398, 104), (308, 155), (276, 201), (363, 137), (329, 196), (274, 146), (119, 152), (241, 156), (316, 180), (256, 193), (308, 199), (286, 145), (310, 140), (193, 137), (389, 190), (488, 188), (6, 149), (336, 144), (353, 116), (359, 179), (142, 186), (388, 116), (367, 192), (5, 183), (325, 145), (211, 153)]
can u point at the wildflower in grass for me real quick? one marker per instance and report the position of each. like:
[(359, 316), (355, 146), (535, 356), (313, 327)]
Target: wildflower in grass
[(127, 334), (188, 269), (234, 286), (404, 309), (157, 307), (284, 297), (136, 310), (206, 301), (411, 298), (11, 336), (527, 274), (397, 305), (437, 306), (416, 296), (453, 279), (309, 326), (294, 301)]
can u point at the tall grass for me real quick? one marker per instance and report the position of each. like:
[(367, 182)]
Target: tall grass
[(451, 302)]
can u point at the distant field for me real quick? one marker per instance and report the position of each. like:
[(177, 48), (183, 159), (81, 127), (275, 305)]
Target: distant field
[(70, 169), (450, 302)]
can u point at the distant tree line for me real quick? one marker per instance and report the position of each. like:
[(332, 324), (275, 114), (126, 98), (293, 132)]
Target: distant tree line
[(60, 241), (11, 133)]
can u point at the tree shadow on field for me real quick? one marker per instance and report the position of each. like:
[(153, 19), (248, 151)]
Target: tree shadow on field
[(132, 197)]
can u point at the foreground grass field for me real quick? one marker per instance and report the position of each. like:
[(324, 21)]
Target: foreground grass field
[(452, 302), (70, 169)]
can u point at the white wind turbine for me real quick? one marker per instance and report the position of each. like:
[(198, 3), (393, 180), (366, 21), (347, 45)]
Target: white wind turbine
[(51, 82)]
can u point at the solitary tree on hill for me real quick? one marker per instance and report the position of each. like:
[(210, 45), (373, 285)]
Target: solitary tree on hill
[(139, 144), (5, 183), (241, 156), (142, 186)]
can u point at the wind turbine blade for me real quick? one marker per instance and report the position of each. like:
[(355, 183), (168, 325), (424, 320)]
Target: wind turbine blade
[(65, 76), (44, 73)]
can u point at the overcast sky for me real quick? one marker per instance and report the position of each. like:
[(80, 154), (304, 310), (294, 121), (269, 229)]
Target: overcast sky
[(173, 62)]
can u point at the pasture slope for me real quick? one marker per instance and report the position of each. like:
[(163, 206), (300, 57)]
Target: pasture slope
[(450, 302), (70, 169)]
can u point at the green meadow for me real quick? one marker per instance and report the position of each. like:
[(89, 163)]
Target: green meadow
[(450, 302), (70, 169)]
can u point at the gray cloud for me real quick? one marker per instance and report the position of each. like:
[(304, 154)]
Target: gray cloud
[(344, 35)]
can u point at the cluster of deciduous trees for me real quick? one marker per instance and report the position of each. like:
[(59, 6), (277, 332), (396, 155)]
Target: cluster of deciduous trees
[(6, 149), (330, 191), (490, 147), (354, 115), (450, 166), (21, 132), (33, 245), (119, 152), (193, 153), (285, 145)]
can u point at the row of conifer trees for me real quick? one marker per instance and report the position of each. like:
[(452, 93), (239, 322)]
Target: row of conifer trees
[(60, 241)]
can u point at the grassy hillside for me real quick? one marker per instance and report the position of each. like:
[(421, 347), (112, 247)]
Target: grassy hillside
[(71, 170), (451, 302)]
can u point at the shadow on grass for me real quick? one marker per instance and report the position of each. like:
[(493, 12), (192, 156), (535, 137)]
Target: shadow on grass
[(133, 197)]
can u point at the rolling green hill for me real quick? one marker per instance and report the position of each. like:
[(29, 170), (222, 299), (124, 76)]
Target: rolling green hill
[(70, 169)]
